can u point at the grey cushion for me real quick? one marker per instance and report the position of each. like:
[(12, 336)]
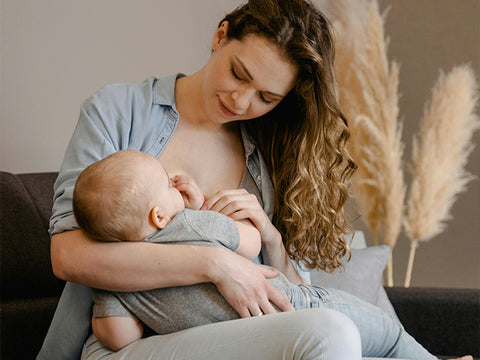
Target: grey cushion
[(362, 275)]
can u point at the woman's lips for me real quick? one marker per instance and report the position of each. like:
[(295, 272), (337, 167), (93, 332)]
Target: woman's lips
[(225, 109)]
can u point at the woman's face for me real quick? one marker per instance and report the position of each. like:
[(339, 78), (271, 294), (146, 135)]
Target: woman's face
[(244, 79)]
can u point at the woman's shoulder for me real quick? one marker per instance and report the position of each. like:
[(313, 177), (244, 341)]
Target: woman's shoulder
[(121, 92), (128, 94)]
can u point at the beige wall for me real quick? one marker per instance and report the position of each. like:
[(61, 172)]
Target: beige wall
[(55, 53)]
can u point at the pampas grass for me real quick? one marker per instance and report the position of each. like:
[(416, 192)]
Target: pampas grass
[(368, 94), (439, 156)]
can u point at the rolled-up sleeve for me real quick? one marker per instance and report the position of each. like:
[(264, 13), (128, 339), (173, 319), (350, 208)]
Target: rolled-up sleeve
[(119, 116), (97, 134)]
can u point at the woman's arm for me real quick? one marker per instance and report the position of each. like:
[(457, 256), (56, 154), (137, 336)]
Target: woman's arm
[(250, 239), (128, 266), (134, 266), (275, 254), (239, 204)]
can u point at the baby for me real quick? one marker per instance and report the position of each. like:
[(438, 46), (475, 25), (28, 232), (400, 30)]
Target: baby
[(128, 196)]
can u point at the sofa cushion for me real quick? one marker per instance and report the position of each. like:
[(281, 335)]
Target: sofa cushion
[(25, 207), (362, 275), (24, 325)]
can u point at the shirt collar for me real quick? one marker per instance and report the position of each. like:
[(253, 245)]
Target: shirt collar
[(249, 143), (164, 90)]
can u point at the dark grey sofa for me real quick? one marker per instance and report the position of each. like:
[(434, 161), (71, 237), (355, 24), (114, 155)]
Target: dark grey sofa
[(446, 321)]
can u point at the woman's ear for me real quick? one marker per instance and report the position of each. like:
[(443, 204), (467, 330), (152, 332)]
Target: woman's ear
[(158, 219), (220, 35)]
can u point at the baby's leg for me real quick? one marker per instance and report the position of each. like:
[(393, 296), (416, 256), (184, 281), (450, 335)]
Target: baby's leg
[(116, 332), (382, 336)]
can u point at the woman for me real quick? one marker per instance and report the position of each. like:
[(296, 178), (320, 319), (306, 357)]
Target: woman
[(267, 92)]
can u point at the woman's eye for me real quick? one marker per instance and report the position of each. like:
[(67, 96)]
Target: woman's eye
[(265, 100), (235, 75)]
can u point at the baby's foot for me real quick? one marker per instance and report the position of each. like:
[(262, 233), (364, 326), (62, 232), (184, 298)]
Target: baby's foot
[(467, 357)]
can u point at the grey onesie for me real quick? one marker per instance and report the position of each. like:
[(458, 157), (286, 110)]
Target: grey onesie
[(173, 309)]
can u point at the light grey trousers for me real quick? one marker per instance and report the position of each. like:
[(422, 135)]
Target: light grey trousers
[(320, 334)]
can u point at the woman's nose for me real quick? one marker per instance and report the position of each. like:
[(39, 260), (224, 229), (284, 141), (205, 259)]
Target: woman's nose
[(242, 98)]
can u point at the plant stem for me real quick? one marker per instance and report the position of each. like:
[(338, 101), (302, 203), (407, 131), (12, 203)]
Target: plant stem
[(411, 258), (390, 271)]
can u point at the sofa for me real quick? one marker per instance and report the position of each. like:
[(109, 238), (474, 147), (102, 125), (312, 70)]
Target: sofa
[(445, 321)]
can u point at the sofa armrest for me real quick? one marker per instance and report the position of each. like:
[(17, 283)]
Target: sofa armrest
[(444, 321)]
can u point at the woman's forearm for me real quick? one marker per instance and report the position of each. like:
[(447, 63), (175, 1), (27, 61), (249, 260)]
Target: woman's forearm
[(129, 266), (274, 253)]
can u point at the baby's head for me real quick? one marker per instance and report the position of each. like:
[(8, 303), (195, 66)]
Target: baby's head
[(125, 197)]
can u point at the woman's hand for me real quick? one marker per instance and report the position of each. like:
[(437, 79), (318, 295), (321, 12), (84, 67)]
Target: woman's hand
[(190, 191), (244, 285), (239, 204)]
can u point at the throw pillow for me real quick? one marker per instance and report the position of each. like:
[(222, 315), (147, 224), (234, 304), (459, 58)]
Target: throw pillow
[(361, 276)]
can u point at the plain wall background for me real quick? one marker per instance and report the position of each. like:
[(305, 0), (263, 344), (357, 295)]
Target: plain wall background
[(55, 53)]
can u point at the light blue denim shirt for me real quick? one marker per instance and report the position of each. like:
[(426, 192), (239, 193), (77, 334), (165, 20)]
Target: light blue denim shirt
[(130, 116)]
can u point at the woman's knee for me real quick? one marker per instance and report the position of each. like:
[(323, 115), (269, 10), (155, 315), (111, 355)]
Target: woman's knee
[(334, 333)]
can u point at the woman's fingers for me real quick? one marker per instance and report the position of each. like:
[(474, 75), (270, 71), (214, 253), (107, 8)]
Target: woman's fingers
[(255, 311), (268, 272), (237, 204), (267, 308), (243, 312), (281, 301), (222, 198), (263, 305), (274, 296), (245, 287)]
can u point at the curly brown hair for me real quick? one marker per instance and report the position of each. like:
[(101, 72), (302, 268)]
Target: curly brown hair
[(303, 139)]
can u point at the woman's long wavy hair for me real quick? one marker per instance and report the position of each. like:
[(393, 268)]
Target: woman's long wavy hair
[(303, 139)]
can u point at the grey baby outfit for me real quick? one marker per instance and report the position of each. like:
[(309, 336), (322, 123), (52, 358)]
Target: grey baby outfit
[(173, 309)]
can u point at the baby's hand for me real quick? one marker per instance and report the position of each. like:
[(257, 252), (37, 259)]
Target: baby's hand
[(190, 191)]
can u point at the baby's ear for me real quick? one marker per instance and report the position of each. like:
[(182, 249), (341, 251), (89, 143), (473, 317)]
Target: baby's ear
[(158, 219)]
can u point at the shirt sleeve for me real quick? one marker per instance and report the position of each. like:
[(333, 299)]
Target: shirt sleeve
[(217, 228), (96, 135), (106, 304), (200, 228), (101, 130)]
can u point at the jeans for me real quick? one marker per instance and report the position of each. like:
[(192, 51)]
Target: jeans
[(381, 335)]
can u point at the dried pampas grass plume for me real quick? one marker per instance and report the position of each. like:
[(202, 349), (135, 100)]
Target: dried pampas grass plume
[(439, 156), (368, 94)]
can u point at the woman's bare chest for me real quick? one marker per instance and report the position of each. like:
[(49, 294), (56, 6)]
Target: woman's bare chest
[(215, 160)]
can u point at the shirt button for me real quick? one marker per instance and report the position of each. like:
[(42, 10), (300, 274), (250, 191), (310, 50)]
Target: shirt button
[(259, 177)]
